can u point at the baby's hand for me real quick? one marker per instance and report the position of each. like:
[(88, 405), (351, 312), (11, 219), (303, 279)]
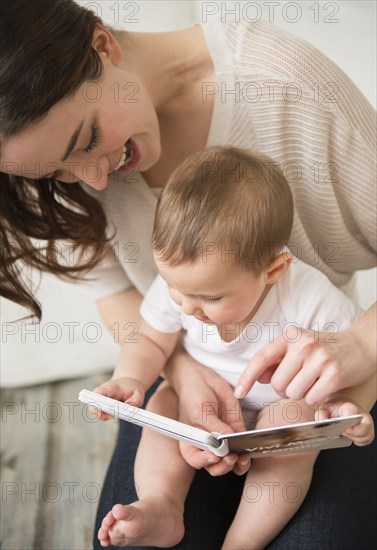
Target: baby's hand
[(215, 465), (128, 390), (361, 434)]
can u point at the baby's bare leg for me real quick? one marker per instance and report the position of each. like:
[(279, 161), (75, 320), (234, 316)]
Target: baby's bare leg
[(274, 487), (162, 480)]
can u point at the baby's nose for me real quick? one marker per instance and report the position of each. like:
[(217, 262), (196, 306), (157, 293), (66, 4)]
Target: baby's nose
[(191, 308)]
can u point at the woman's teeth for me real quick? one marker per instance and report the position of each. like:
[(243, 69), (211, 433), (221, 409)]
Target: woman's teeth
[(126, 155), (122, 158), (129, 151)]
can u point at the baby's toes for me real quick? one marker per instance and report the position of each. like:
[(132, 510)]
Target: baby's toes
[(108, 520), (103, 536), (103, 532)]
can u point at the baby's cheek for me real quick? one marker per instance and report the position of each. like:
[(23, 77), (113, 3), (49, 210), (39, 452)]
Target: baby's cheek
[(221, 314), (175, 296)]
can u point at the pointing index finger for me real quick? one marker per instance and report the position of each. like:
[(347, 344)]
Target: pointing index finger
[(269, 356)]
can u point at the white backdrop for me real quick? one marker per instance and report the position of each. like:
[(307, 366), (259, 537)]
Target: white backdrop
[(71, 340)]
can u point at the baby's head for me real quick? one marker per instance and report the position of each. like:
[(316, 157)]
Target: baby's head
[(223, 219)]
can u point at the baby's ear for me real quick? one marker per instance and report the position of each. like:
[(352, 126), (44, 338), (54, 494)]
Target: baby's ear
[(278, 267)]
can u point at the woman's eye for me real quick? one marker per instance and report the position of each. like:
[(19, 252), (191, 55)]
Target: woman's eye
[(210, 300), (94, 139)]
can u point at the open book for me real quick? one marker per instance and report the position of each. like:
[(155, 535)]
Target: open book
[(325, 434)]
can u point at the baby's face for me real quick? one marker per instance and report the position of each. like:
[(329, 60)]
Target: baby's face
[(215, 289)]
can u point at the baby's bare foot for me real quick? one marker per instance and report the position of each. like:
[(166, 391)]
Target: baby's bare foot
[(147, 522)]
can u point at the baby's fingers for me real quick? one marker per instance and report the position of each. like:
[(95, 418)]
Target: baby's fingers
[(197, 458), (225, 465), (361, 430), (110, 388), (135, 399), (336, 410), (99, 414), (242, 465), (215, 465), (363, 433)]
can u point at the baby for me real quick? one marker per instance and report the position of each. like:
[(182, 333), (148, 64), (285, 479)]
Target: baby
[(227, 279)]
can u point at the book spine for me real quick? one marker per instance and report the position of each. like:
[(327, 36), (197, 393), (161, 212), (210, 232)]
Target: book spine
[(161, 424)]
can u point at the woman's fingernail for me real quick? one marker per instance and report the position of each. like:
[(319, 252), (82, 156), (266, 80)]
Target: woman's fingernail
[(230, 461), (238, 392), (245, 462)]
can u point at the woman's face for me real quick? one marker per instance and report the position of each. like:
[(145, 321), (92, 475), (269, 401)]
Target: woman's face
[(83, 137)]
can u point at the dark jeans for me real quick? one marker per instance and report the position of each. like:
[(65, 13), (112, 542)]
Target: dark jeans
[(339, 512)]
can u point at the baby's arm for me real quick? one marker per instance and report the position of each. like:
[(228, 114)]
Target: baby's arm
[(357, 400), (141, 360)]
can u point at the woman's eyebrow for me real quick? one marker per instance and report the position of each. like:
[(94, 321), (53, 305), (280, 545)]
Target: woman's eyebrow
[(72, 141)]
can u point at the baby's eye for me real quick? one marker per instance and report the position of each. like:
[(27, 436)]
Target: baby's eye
[(210, 300)]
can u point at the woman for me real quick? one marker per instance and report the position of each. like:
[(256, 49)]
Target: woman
[(118, 112)]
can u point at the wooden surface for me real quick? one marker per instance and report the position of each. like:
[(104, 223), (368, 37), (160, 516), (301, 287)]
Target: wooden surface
[(54, 456)]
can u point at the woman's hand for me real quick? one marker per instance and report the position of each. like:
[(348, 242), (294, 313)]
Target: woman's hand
[(206, 401), (125, 389), (318, 364)]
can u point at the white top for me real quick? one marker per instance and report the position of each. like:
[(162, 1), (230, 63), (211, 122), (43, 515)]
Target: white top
[(279, 95), (302, 297)]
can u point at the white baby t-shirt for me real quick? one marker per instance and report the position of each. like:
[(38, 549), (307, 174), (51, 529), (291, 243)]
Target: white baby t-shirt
[(302, 298)]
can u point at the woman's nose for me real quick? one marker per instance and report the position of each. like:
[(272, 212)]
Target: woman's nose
[(95, 174)]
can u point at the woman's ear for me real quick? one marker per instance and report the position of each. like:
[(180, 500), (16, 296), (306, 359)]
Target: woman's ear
[(106, 45), (278, 267)]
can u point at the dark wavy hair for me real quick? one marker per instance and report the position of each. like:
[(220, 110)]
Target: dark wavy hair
[(45, 54)]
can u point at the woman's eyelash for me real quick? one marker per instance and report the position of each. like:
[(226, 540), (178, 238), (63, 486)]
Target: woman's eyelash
[(94, 139), (93, 142)]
